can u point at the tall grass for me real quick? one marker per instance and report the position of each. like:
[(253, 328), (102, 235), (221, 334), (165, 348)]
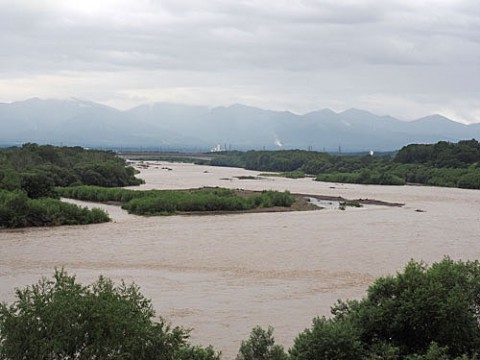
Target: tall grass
[(164, 202)]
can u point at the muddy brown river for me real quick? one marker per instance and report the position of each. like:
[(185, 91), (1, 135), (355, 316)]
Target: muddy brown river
[(223, 274)]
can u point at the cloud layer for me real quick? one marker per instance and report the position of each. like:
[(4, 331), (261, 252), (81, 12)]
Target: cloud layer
[(406, 58)]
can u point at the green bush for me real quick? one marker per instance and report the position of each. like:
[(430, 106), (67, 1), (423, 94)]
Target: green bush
[(470, 180), (18, 210), (62, 319), (297, 174), (14, 207), (164, 202), (339, 177), (261, 346), (421, 306), (328, 339), (423, 313)]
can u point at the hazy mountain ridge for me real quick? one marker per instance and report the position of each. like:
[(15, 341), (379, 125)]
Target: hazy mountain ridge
[(164, 125)]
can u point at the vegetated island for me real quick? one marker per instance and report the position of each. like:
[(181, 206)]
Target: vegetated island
[(206, 201), (441, 164), (192, 201)]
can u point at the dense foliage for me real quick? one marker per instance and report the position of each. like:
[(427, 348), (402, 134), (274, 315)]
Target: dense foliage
[(164, 202), (422, 313), (18, 210), (46, 166), (29, 174), (442, 154), (418, 313), (62, 319), (261, 346), (440, 164), (308, 162)]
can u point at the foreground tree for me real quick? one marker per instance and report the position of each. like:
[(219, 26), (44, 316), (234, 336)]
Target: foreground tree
[(328, 340), (423, 305), (62, 319), (421, 314), (261, 346)]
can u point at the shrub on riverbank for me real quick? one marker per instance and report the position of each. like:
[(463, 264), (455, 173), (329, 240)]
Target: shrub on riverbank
[(289, 175), (164, 202), (18, 210), (363, 177)]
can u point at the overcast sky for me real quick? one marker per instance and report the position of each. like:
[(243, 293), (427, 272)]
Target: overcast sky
[(406, 58)]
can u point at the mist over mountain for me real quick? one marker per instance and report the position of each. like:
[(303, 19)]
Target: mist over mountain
[(172, 126)]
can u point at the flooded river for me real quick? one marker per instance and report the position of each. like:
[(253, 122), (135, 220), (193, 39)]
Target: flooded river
[(223, 274)]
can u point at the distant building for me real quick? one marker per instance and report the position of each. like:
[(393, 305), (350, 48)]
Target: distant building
[(216, 148)]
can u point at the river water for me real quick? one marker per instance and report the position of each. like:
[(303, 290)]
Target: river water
[(221, 275)]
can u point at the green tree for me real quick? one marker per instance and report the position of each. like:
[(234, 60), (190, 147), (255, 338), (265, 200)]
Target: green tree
[(328, 339), (423, 305), (434, 352), (37, 185), (422, 313), (261, 346), (13, 209), (197, 353), (62, 319)]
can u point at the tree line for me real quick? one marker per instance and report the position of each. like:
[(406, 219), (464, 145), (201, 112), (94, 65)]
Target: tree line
[(423, 313), (441, 164), (30, 173)]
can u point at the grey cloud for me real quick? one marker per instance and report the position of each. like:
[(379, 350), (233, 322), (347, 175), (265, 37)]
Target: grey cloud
[(236, 35), (345, 47)]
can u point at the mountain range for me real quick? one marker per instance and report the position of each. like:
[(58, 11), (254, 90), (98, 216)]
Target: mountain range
[(172, 127)]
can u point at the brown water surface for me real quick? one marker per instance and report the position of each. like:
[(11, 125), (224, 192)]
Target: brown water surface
[(223, 274)]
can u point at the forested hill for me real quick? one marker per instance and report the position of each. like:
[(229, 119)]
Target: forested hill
[(172, 126), (29, 174), (440, 164)]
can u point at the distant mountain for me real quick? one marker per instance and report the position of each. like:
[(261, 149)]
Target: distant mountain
[(173, 126), (75, 122)]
